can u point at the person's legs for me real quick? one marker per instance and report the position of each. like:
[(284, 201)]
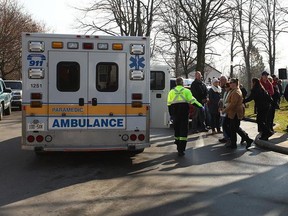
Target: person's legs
[(227, 127), (202, 119), (271, 125), (261, 121), (195, 118), (217, 121), (183, 125), (234, 125), (270, 117), (207, 117), (213, 122)]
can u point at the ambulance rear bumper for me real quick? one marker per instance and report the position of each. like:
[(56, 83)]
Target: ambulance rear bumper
[(129, 147)]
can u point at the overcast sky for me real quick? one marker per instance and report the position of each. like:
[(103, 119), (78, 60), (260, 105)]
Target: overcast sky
[(59, 17)]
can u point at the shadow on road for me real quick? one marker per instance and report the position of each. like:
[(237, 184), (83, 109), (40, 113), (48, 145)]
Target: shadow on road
[(25, 175)]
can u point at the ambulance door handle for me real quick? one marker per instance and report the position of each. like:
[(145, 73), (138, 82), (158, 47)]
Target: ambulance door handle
[(94, 101), (81, 101)]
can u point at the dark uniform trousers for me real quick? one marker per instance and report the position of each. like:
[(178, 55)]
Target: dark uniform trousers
[(180, 112)]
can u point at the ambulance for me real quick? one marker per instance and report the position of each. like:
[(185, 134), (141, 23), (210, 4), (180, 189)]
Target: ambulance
[(85, 93)]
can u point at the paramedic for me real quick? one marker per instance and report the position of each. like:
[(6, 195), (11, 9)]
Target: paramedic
[(178, 102)]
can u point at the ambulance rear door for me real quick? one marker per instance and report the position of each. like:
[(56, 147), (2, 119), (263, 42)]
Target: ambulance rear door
[(159, 89), (68, 78), (107, 90)]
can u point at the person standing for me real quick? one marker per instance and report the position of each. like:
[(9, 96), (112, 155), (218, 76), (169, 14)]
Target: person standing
[(224, 118), (235, 112), (200, 92), (280, 87), (269, 88), (277, 94), (214, 95), (225, 86), (178, 102), (263, 103)]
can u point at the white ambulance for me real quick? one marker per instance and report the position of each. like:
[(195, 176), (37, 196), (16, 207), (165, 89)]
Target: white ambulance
[(85, 93)]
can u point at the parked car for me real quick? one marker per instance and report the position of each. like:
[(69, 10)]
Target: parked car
[(16, 86), (5, 99)]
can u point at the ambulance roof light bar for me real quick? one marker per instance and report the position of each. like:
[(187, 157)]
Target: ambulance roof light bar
[(36, 46), (72, 45), (57, 45)]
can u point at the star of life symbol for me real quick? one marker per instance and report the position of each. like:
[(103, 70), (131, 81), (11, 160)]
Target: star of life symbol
[(137, 62)]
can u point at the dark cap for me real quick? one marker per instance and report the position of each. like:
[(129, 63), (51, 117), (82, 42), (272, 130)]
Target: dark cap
[(234, 80), (265, 73)]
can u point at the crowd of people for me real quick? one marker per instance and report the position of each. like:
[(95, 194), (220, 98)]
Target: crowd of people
[(222, 107)]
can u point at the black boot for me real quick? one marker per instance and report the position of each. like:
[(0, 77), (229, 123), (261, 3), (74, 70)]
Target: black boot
[(181, 147), (249, 142)]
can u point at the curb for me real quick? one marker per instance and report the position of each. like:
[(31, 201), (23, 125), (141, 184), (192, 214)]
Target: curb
[(271, 146)]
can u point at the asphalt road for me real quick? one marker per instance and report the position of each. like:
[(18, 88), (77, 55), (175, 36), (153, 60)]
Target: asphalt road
[(210, 180)]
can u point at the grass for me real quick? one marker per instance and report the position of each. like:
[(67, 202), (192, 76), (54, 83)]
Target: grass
[(281, 116)]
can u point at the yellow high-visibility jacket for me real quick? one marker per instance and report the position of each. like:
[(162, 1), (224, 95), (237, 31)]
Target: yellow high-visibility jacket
[(180, 94)]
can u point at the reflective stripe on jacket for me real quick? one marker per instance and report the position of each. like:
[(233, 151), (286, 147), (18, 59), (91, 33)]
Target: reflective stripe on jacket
[(181, 95)]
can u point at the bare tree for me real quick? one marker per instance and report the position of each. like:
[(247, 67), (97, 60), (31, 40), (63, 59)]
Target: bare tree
[(12, 23), (234, 48), (248, 29), (257, 66), (205, 19), (179, 36), (272, 24), (119, 17)]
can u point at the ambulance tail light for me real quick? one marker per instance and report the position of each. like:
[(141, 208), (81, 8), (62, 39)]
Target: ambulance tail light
[(36, 73), (36, 96), (36, 104), (57, 45), (39, 138), (30, 138), (137, 104), (141, 137), (117, 46), (133, 137), (36, 46), (136, 96)]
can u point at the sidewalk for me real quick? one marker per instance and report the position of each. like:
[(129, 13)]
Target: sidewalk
[(278, 142)]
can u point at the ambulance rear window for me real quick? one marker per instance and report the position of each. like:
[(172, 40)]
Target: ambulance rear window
[(68, 76), (107, 77), (157, 80)]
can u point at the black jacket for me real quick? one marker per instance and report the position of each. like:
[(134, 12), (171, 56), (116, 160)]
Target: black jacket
[(199, 90), (261, 97)]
